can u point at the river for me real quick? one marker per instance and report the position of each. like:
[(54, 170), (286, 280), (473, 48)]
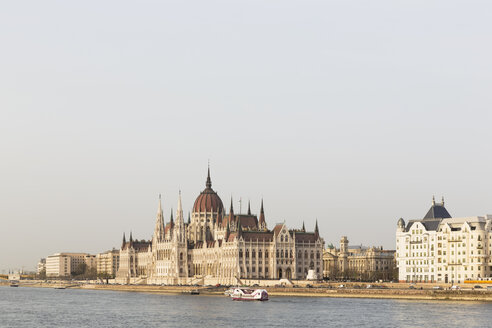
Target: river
[(45, 307)]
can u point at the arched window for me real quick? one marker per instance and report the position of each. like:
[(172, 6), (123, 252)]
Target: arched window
[(317, 255), (299, 255), (282, 253), (312, 255), (259, 253), (253, 254), (277, 253), (181, 256), (240, 253), (282, 239), (305, 254), (247, 253)]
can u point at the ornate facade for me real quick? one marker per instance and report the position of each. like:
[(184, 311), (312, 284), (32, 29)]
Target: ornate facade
[(439, 248), (358, 262), (216, 247)]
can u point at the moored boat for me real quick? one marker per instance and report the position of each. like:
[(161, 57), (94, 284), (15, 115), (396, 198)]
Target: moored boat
[(14, 284), (245, 294)]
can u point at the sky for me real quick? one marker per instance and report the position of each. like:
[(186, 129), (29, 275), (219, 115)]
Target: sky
[(352, 113)]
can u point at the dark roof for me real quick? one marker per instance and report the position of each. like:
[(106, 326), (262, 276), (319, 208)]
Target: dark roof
[(437, 211), (306, 237), (258, 235), (429, 224)]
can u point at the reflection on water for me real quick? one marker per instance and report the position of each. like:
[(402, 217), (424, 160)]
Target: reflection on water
[(31, 307)]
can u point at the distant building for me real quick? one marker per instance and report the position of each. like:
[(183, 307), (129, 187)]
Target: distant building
[(41, 266), (215, 247), (439, 248), (108, 262), (358, 262), (62, 264)]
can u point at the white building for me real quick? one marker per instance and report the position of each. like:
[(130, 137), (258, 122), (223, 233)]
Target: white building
[(108, 262), (440, 248), (42, 266), (62, 264)]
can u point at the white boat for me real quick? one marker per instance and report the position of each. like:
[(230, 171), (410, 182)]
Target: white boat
[(244, 294)]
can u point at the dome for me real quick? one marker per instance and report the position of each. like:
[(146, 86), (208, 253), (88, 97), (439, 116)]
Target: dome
[(208, 200), (401, 223)]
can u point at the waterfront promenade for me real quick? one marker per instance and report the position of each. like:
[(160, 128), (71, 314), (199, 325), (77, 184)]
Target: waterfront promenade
[(350, 290)]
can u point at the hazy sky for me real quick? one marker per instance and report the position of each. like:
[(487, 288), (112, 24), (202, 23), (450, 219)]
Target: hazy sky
[(351, 112)]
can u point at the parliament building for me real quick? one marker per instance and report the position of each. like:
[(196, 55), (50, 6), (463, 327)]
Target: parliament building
[(214, 246)]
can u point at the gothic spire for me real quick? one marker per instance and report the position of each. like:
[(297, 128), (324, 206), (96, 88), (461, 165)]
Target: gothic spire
[(172, 219), (124, 240), (131, 238), (228, 232), (208, 184), (316, 230), (262, 222), (231, 212), (303, 227), (249, 207)]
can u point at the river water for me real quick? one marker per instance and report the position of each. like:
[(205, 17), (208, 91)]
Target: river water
[(44, 307)]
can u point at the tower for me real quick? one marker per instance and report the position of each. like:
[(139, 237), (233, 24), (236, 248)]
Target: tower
[(159, 223)]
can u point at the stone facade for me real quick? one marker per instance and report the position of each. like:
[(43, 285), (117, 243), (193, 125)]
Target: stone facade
[(443, 249), (108, 263), (217, 247), (62, 264), (358, 262)]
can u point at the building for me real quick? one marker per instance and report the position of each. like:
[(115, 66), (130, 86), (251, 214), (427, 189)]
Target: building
[(108, 263), (439, 248), (63, 264), (358, 262), (219, 247), (41, 266)]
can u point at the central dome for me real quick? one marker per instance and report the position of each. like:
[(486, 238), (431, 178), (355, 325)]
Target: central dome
[(208, 200)]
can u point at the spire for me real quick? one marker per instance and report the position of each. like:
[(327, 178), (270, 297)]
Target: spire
[(262, 222), (131, 238), (316, 230), (249, 207), (208, 184), (159, 223), (124, 240), (172, 219), (303, 227), (239, 228), (231, 213), (228, 232), (159, 209), (433, 200)]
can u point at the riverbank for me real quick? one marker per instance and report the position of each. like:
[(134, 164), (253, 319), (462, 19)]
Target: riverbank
[(399, 292)]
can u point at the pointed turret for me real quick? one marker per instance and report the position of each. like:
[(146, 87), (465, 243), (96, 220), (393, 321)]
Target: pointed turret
[(239, 228), (303, 227), (208, 184), (179, 231), (172, 218), (249, 207), (231, 213), (316, 230), (124, 240), (131, 238), (159, 223), (228, 232), (262, 222)]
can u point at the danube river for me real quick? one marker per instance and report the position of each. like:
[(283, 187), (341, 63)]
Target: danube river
[(45, 307)]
